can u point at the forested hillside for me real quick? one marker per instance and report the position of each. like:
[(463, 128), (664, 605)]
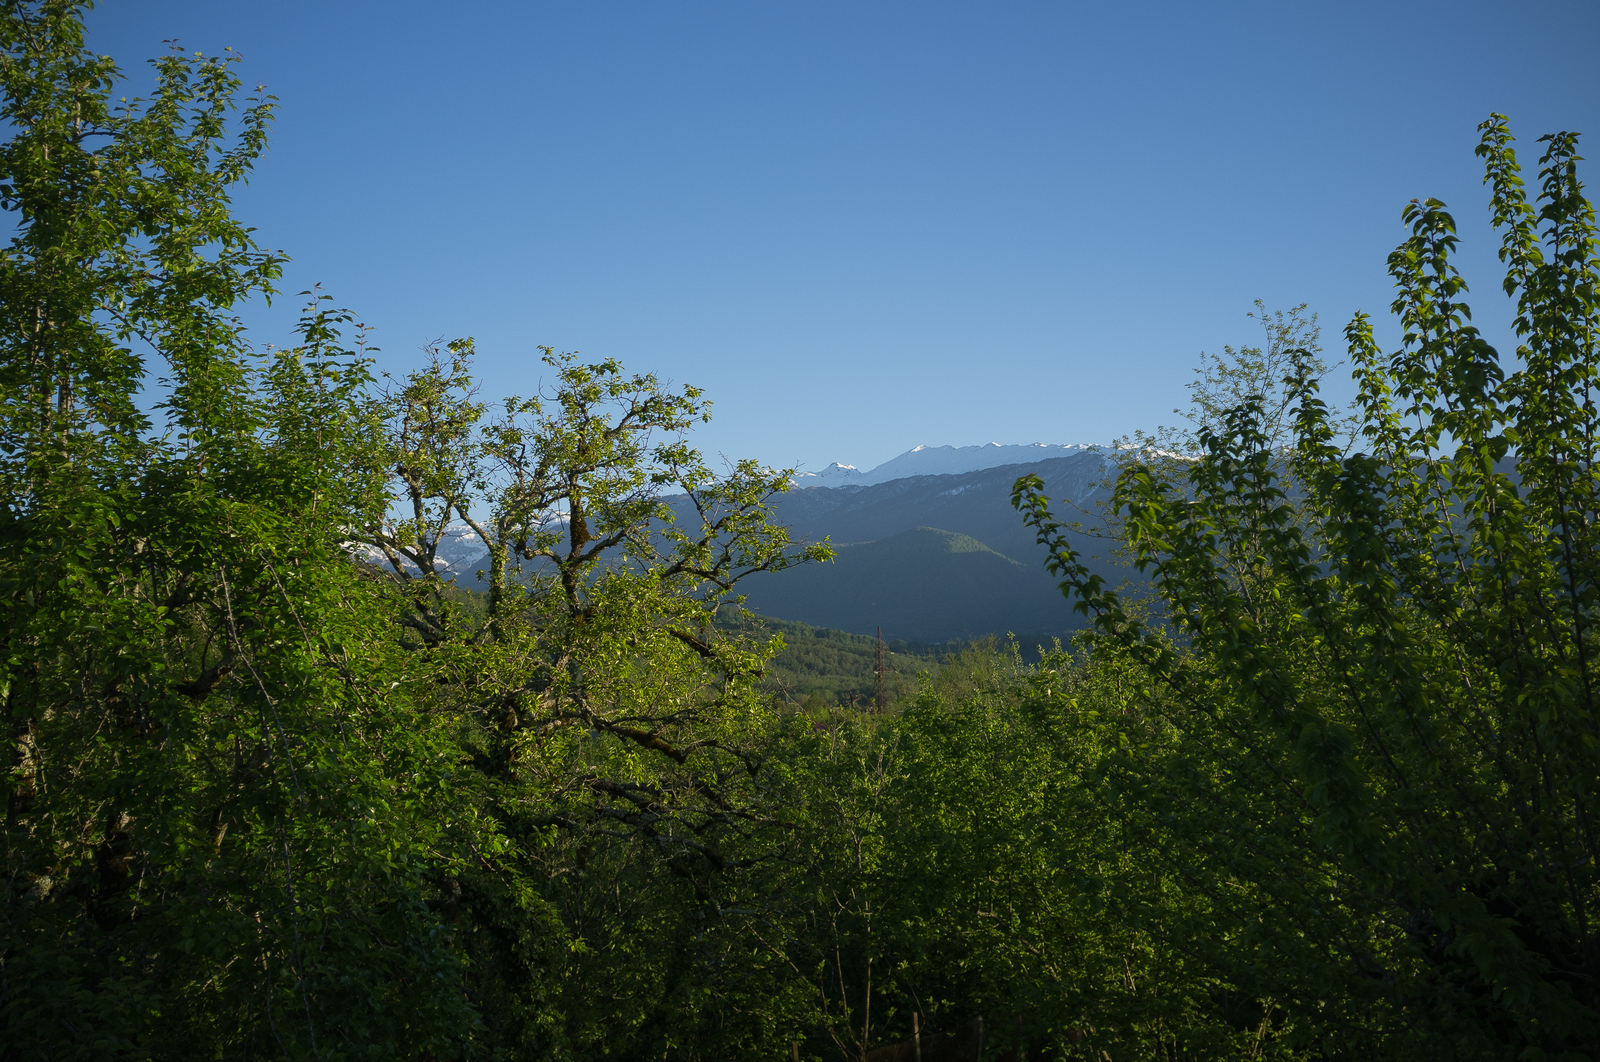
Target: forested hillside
[(819, 667), (279, 788)]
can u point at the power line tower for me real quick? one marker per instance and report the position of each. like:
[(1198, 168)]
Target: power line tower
[(880, 672)]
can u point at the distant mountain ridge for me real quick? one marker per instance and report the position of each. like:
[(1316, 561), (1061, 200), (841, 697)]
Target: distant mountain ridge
[(461, 553), (976, 503), (904, 563), (939, 461)]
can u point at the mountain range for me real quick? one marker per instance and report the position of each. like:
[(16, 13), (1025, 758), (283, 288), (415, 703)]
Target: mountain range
[(934, 557), (937, 461), (927, 545)]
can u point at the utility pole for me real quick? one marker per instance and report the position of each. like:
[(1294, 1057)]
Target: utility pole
[(879, 675)]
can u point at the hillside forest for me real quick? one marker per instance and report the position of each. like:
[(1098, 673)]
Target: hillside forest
[(1317, 785)]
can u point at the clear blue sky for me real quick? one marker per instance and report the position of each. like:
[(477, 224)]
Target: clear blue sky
[(863, 226)]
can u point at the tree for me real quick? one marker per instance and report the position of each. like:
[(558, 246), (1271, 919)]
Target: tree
[(1382, 692), (218, 807), (615, 728), (1292, 344)]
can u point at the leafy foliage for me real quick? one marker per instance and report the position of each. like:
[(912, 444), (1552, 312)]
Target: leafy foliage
[(819, 667), (280, 788), (219, 812), (614, 729), (991, 880), (1389, 685)]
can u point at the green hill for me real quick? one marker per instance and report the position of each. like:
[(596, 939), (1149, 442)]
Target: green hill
[(921, 585)]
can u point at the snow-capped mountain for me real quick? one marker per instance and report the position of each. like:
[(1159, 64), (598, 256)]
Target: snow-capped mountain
[(937, 461), (460, 549), (835, 475), (460, 552)]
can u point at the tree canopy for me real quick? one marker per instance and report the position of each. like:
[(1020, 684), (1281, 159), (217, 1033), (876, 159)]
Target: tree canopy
[(1377, 666), (285, 783)]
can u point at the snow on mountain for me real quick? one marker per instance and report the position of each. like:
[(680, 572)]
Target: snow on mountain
[(459, 548), (460, 551), (938, 461), (835, 475)]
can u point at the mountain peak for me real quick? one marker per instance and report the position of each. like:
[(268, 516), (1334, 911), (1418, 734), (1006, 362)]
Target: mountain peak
[(832, 476)]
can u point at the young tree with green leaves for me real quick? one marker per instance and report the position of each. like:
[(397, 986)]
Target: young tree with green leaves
[(1385, 752), (982, 867)]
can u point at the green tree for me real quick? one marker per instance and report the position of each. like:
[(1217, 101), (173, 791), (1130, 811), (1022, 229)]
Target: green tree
[(1384, 689), (625, 754), (1291, 343), (218, 807)]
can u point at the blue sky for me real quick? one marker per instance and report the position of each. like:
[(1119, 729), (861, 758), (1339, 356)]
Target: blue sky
[(864, 226)]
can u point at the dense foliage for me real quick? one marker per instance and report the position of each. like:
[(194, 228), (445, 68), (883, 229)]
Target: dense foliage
[(220, 808), (280, 788), (1377, 666), (819, 667)]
